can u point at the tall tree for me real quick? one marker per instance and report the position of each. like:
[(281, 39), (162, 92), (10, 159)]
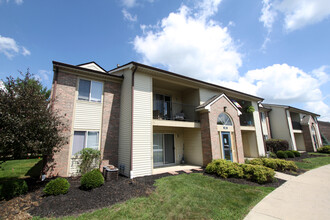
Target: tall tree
[(27, 123)]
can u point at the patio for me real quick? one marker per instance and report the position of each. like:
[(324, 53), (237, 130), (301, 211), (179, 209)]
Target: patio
[(160, 170)]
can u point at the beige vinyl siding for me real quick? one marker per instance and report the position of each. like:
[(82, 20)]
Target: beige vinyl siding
[(142, 125), (279, 124), (206, 94), (249, 144), (125, 122), (193, 147), (88, 115), (300, 143)]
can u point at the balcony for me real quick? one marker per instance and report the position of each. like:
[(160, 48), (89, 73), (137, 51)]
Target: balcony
[(174, 111), (296, 125), (246, 119)]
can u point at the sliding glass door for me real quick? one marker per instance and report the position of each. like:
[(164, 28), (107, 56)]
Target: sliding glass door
[(163, 149), (162, 106)]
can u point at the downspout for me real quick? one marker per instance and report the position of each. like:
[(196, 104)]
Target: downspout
[(132, 110)]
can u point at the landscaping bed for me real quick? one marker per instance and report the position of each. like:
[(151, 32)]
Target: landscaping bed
[(305, 155), (78, 201)]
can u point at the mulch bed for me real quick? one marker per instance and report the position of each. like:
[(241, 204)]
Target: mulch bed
[(78, 201)]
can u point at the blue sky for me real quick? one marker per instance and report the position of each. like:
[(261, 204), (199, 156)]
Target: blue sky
[(276, 49)]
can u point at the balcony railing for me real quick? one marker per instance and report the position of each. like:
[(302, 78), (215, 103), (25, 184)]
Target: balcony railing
[(175, 111), (296, 125), (246, 119)]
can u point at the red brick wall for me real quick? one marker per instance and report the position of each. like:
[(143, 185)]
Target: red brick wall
[(325, 129), (110, 123), (307, 138), (210, 134), (64, 104)]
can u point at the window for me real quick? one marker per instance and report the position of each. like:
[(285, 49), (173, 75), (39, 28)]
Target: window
[(223, 119), (265, 137), (263, 116), (85, 139), (90, 90)]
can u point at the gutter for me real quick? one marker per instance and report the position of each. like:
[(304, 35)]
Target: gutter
[(132, 111)]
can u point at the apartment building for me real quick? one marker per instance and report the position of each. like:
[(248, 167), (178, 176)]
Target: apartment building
[(143, 118)]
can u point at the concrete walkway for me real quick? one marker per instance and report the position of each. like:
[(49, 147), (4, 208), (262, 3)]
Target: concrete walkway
[(304, 197)]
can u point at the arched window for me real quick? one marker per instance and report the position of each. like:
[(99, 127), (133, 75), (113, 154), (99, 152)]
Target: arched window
[(224, 119)]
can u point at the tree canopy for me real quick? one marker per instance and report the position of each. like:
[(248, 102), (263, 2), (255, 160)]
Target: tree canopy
[(27, 123)]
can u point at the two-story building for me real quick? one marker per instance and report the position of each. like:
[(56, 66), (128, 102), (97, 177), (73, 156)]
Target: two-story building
[(299, 127), (143, 118)]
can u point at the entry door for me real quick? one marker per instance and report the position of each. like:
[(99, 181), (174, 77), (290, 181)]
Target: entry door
[(226, 143), (169, 148)]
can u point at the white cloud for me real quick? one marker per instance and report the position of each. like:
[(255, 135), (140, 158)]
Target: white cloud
[(129, 3), (10, 48), (284, 84), (128, 16), (18, 2), (25, 51), (297, 13), (189, 43)]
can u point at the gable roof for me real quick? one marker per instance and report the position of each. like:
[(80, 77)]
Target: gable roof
[(128, 65), (73, 67), (92, 62), (290, 107), (211, 101)]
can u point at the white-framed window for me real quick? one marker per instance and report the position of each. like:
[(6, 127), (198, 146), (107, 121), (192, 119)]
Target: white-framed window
[(85, 139), (90, 90)]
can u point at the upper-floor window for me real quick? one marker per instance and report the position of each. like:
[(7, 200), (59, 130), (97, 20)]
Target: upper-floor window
[(90, 90), (224, 119)]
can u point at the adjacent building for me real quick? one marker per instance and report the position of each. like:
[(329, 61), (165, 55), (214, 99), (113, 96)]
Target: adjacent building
[(299, 127)]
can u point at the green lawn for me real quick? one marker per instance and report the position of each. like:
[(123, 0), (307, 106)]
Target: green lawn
[(18, 168), (184, 196), (311, 163)]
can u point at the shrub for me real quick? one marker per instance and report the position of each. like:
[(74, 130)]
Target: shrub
[(290, 154), (257, 161), (92, 179), (258, 173), (296, 153), (272, 155), (281, 154), (275, 145), (13, 188), (324, 149), (90, 159), (57, 186), (225, 168), (276, 164)]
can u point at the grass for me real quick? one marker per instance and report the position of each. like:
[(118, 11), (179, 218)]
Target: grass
[(17, 168), (312, 163), (184, 196)]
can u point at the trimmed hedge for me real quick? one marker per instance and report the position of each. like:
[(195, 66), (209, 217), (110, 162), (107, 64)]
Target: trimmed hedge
[(275, 145), (324, 149), (296, 153), (92, 179), (258, 173), (281, 154), (225, 169), (13, 188), (290, 154), (276, 164), (57, 186)]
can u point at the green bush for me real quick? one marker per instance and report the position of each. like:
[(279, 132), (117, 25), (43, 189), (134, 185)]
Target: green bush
[(258, 173), (275, 145), (13, 188), (90, 159), (324, 149), (92, 179), (276, 164), (296, 153), (57, 186), (225, 168), (257, 161), (281, 154), (290, 154), (272, 155)]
